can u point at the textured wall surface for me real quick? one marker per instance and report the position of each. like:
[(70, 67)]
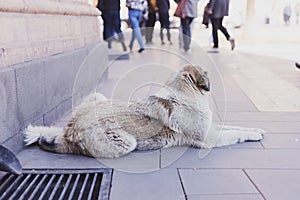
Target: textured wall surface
[(33, 29)]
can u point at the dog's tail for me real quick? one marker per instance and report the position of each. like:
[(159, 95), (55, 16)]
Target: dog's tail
[(48, 138)]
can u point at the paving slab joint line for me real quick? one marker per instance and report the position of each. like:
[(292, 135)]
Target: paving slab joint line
[(260, 192), (181, 183), (250, 100), (260, 142)]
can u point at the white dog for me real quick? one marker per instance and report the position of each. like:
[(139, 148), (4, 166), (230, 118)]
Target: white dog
[(178, 115)]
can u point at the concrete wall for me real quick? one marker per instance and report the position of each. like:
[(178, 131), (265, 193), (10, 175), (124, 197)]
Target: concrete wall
[(42, 46)]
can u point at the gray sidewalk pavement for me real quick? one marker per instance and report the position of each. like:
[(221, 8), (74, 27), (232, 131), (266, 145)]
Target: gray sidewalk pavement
[(261, 91)]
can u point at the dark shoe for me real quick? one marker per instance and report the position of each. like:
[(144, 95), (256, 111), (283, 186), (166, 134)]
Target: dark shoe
[(109, 44), (141, 50), (297, 65), (162, 43), (123, 46), (232, 43)]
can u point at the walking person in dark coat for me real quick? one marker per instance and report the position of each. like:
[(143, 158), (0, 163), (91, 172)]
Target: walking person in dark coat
[(110, 13), (217, 10), (163, 11)]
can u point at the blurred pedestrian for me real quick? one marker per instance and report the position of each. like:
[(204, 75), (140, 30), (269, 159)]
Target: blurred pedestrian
[(152, 8), (136, 9), (110, 13), (287, 12), (218, 9), (205, 19), (163, 11), (187, 11)]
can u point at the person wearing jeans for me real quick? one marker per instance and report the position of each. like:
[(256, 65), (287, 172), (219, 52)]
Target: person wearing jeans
[(217, 9), (136, 9), (110, 13)]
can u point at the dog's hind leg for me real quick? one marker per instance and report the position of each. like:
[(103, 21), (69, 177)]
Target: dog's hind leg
[(151, 143), (110, 143)]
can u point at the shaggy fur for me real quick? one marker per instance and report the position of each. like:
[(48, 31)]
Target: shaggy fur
[(178, 115)]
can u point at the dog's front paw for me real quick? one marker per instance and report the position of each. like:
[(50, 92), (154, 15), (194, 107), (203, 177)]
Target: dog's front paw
[(255, 136), (261, 131)]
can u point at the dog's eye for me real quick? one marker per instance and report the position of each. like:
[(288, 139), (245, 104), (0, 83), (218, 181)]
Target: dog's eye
[(200, 80)]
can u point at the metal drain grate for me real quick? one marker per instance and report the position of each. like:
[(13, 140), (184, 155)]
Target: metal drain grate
[(57, 184)]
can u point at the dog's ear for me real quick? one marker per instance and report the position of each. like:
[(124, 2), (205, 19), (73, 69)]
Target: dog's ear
[(193, 72), (199, 76)]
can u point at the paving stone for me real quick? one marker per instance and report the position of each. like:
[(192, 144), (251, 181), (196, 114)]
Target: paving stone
[(163, 185), (226, 197), (270, 127), (237, 158), (276, 184), (34, 157), (283, 140), (135, 162), (239, 106), (170, 155), (263, 116), (216, 181)]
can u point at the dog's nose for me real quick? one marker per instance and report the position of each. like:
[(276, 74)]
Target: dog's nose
[(206, 87)]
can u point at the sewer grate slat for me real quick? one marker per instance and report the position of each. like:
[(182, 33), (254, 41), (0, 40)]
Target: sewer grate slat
[(56, 187), (38, 186), (47, 186), (29, 187), (74, 186), (83, 188), (66, 186), (92, 187)]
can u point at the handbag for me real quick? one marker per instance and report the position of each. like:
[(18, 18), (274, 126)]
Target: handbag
[(181, 9)]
